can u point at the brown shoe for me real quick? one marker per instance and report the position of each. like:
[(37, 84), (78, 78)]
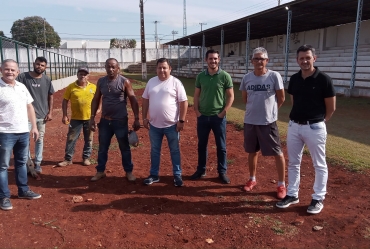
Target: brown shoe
[(64, 163), (130, 177), (86, 162), (98, 176)]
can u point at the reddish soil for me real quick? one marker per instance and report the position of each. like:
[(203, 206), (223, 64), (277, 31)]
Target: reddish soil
[(131, 215)]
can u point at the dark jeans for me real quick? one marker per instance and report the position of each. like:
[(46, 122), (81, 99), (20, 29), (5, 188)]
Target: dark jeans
[(18, 143), (156, 138), (74, 131), (218, 125), (108, 128)]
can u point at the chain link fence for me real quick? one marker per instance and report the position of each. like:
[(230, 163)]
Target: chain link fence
[(59, 66)]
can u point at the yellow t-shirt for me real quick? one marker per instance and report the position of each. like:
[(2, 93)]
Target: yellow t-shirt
[(80, 98)]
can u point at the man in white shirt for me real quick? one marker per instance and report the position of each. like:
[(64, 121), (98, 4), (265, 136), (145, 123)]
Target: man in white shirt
[(165, 99), (16, 109)]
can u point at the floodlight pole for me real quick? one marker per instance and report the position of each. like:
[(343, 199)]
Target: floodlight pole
[(178, 59), (355, 44), (247, 46), (287, 44), (222, 47), (203, 48)]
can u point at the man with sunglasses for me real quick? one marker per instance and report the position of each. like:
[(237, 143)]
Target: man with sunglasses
[(263, 94)]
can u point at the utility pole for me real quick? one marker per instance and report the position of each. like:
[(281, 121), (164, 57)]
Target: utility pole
[(156, 39), (201, 26), (143, 51), (173, 34), (184, 21)]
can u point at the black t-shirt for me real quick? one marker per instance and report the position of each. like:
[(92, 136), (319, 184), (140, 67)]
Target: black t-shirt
[(308, 96)]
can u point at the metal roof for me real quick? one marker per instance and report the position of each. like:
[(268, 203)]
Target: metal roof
[(306, 15)]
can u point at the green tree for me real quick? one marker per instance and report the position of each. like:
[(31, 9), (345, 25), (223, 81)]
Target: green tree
[(1, 33), (122, 43), (30, 30)]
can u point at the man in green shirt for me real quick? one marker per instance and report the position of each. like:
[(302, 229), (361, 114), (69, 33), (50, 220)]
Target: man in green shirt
[(213, 96)]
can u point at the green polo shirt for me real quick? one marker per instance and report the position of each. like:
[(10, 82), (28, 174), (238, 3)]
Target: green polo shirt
[(212, 99)]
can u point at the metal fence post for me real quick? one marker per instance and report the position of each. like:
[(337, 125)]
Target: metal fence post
[(189, 66), (59, 65), (51, 67), (55, 67), (355, 44), (288, 28), (28, 58), (16, 52), (1, 49)]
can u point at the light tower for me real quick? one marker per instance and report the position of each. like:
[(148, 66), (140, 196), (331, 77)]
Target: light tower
[(184, 21)]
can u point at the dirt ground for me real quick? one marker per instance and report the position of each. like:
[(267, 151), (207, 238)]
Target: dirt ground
[(202, 214)]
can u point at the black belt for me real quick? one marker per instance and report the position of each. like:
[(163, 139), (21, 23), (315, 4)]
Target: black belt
[(307, 122)]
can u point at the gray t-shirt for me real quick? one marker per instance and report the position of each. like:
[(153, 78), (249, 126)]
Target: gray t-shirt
[(114, 97), (261, 107), (40, 89)]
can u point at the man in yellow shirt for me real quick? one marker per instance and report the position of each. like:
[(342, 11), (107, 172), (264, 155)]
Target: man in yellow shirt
[(80, 93)]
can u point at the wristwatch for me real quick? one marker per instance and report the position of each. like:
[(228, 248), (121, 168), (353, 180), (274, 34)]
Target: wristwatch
[(181, 121)]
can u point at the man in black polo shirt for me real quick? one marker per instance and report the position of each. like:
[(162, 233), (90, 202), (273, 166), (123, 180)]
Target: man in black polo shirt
[(313, 97)]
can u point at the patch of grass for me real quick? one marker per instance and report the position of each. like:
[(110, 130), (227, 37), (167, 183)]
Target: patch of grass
[(238, 126), (230, 161), (277, 230)]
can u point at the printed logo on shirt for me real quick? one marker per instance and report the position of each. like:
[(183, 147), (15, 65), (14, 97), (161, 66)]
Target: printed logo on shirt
[(36, 85), (258, 87)]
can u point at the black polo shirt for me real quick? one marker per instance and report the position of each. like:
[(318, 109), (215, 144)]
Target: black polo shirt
[(309, 94)]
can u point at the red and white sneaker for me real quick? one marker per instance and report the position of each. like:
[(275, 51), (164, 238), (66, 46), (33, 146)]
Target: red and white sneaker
[(250, 185), (281, 192)]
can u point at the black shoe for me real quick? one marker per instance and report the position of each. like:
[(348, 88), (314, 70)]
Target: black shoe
[(224, 179), (197, 175), (151, 179), (315, 207), (287, 201), (178, 181)]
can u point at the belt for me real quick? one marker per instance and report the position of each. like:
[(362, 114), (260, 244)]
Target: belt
[(307, 122), (110, 119)]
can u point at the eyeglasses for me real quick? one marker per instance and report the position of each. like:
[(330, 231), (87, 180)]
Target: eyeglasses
[(259, 59)]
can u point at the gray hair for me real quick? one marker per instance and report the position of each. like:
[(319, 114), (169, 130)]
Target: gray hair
[(260, 50), (8, 61)]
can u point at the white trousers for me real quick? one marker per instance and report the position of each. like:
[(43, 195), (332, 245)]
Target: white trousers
[(314, 136)]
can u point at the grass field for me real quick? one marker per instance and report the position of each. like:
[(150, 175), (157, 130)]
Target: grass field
[(348, 141)]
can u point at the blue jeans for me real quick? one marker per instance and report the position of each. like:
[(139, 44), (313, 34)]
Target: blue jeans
[(39, 144), (18, 143), (108, 128), (156, 137), (74, 131), (218, 125)]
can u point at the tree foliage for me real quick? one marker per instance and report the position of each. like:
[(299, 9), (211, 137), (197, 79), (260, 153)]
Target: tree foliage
[(122, 43), (2, 33), (30, 30)]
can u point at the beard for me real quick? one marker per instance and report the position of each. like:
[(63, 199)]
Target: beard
[(38, 71)]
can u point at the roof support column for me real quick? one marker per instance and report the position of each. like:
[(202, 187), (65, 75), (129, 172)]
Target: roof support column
[(189, 65), (178, 59), (355, 45), (203, 48), (222, 47), (289, 25), (247, 48)]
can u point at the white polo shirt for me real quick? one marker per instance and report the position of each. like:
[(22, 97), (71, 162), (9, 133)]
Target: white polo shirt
[(13, 107)]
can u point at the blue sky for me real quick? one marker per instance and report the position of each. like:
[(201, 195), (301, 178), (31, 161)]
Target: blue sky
[(103, 20)]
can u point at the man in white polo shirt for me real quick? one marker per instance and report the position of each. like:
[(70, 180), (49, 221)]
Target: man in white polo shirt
[(165, 99), (16, 109)]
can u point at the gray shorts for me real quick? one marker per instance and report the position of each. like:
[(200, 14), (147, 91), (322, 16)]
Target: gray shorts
[(262, 137)]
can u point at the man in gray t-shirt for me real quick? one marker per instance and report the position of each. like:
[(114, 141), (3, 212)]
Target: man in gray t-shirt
[(263, 93), (41, 89)]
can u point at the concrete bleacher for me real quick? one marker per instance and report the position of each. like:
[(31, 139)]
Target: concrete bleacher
[(335, 61)]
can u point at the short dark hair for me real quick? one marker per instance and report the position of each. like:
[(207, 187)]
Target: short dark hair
[(305, 48), (163, 60), (112, 59), (212, 51), (41, 59)]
